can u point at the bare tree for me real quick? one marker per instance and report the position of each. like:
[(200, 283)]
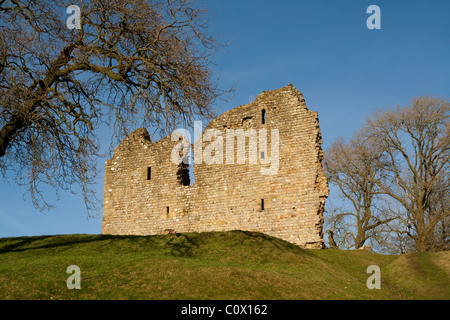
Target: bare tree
[(353, 168), (146, 63), (415, 147)]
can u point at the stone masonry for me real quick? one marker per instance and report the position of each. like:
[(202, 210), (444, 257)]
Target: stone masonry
[(257, 167)]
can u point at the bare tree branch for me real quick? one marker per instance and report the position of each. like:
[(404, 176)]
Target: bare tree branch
[(146, 63)]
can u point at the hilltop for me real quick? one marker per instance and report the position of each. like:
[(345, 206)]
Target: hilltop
[(216, 265)]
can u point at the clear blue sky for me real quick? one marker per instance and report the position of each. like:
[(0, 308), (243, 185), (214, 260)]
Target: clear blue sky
[(344, 70)]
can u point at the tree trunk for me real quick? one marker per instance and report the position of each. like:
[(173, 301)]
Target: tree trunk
[(9, 131)]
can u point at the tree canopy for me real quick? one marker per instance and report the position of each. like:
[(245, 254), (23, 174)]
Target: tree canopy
[(145, 62), (401, 157)]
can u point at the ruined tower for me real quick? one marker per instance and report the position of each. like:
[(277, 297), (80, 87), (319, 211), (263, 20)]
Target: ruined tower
[(257, 167)]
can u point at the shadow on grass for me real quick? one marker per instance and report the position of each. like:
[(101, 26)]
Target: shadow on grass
[(177, 244), (44, 242), (189, 244), (182, 245)]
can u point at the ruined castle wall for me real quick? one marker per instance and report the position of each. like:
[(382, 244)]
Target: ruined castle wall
[(283, 198)]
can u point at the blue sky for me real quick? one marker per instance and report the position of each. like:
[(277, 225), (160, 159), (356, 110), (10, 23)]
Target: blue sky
[(344, 70)]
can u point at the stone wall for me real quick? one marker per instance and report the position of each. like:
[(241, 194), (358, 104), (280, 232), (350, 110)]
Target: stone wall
[(277, 187)]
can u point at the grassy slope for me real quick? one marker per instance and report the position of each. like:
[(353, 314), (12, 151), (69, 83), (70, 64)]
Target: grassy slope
[(217, 265)]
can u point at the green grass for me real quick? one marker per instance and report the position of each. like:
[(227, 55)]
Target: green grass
[(216, 265)]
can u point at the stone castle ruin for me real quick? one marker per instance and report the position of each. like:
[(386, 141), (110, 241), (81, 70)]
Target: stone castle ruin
[(257, 167)]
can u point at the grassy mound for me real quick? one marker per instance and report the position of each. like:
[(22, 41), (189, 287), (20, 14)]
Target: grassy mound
[(216, 265)]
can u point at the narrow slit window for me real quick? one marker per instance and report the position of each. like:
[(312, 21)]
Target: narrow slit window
[(167, 208), (149, 173), (262, 204), (263, 114), (262, 155)]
